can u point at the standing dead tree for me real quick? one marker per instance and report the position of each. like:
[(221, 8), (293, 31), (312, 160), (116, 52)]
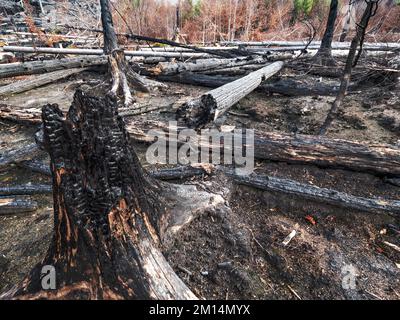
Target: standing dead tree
[(121, 73), (324, 54), (352, 59)]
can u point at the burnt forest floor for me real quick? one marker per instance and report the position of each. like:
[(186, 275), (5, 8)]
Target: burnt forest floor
[(239, 254)]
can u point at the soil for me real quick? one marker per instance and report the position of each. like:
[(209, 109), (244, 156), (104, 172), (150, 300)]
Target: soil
[(239, 253)]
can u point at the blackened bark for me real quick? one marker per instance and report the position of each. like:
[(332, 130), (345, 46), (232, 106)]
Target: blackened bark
[(324, 54), (110, 37), (108, 213), (121, 72)]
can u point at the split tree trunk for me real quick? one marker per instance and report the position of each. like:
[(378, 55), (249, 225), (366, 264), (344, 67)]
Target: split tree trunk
[(109, 215), (198, 112)]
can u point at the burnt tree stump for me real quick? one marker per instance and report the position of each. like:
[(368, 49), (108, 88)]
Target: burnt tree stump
[(110, 216)]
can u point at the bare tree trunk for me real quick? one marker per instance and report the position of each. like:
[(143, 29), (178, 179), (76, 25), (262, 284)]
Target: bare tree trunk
[(324, 54), (351, 60), (234, 20), (350, 15)]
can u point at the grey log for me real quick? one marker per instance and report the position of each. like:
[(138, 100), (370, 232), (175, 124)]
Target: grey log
[(35, 67), (27, 189), (15, 205), (211, 105), (37, 81)]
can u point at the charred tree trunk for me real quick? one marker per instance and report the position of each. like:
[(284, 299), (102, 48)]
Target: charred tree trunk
[(323, 195), (109, 215), (211, 105), (324, 54), (370, 10), (120, 71)]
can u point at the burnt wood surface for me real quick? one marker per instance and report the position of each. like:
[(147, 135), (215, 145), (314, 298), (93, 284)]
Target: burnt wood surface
[(107, 212)]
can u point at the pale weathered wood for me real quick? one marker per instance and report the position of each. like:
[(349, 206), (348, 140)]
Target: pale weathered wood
[(211, 105), (34, 67), (27, 189), (380, 46), (168, 68), (99, 52), (37, 81)]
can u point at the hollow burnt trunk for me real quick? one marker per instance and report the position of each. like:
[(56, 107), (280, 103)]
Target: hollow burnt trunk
[(108, 213)]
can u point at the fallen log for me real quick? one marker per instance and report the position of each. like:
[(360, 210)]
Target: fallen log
[(28, 116), (286, 87), (183, 47), (34, 67), (289, 87), (322, 195), (381, 46), (16, 205), (99, 52), (27, 189), (197, 79), (325, 152), (233, 71), (36, 166), (178, 173), (38, 81), (18, 155), (168, 68), (198, 112)]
